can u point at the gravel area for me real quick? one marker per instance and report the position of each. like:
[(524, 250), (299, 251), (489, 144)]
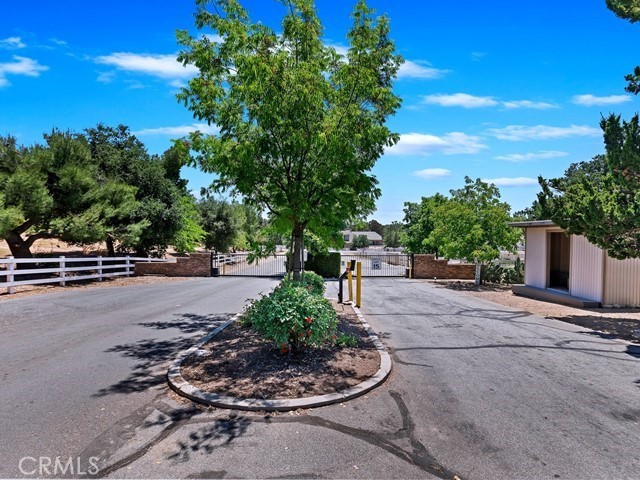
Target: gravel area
[(615, 322)]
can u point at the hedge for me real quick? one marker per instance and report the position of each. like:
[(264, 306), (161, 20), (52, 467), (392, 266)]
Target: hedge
[(325, 264)]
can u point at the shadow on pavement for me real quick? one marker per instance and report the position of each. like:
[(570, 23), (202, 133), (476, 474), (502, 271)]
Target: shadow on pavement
[(153, 355), (208, 437), (624, 328)]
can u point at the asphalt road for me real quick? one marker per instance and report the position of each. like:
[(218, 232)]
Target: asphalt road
[(500, 393), (73, 364), (478, 391)]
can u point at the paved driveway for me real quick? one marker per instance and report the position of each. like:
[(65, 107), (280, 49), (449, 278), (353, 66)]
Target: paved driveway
[(75, 363), (500, 393), (477, 390)]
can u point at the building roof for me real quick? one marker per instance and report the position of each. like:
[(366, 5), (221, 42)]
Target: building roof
[(373, 236), (533, 224)]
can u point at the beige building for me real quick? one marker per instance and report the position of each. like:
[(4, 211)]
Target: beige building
[(560, 266), (374, 238)]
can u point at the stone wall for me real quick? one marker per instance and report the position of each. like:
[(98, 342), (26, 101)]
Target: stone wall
[(194, 265), (427, 266)]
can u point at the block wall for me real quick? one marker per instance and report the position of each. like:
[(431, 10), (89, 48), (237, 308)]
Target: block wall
[(428, 266), (194, 265)]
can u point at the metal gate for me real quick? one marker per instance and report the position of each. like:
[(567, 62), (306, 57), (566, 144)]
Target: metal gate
[(374, 264), (379, 264), (236, 264)]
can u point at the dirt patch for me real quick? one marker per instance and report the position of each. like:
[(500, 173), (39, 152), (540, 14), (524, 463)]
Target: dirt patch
[(29, 290), (240, 363), (621, 323)]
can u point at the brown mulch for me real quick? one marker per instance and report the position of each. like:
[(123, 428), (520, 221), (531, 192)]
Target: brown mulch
[(623, 323), (240, 363)]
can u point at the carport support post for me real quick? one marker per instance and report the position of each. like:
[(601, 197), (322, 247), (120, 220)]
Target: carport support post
[(358, 284)]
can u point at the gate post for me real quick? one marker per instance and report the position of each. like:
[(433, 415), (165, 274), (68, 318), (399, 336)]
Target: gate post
[(215, 271), (358, 284)]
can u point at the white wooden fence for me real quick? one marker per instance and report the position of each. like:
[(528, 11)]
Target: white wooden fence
[(93, 268)]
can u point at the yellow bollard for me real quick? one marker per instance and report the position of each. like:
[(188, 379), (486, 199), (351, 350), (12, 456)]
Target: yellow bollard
[(350, 284), (358, 283)]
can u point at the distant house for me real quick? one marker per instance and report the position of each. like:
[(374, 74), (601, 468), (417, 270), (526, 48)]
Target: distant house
[(568, 269), (374, 238)]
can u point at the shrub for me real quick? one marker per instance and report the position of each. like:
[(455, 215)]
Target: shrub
[(325, 264), (345, 340), (293, 318), (312, 282), (496, 273)]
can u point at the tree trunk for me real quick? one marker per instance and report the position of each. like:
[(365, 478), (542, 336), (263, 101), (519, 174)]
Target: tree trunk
[(19, 247), (298, 233), (111, 251), (478, 277)]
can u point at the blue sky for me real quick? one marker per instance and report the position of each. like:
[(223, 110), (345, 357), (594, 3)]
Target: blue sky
[(500, 90)]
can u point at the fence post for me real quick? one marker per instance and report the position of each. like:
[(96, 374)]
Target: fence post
[(10, 268), (100, 268), (62, 272), (127, 268)]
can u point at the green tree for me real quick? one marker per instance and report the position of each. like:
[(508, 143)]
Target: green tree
[(601, 199), (300, 125), (190, 234), (360, 241), (393, 235), (419, 223), (221, 223), (251, 224), (628, 10), (357, 225), (55, 190), (474, 225), (376, 226), (120, 155), (532, 213)]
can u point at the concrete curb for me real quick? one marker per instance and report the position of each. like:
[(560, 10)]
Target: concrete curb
[(184, 388)]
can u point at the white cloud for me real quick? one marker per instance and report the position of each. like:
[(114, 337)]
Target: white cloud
[(512, 182), (409, 69), (459, 100), (525, 157), (57, 41), (528, 104), (106, 77), (419, 144), (431, 173), (420, 69), (163, 66), (180, 130), (589, 100), (477, 56), (12, 43), (542, 132), (20, 66), (178, 83)]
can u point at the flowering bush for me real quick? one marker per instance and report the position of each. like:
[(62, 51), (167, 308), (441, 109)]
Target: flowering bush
[(312, 282), (293, 318)]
